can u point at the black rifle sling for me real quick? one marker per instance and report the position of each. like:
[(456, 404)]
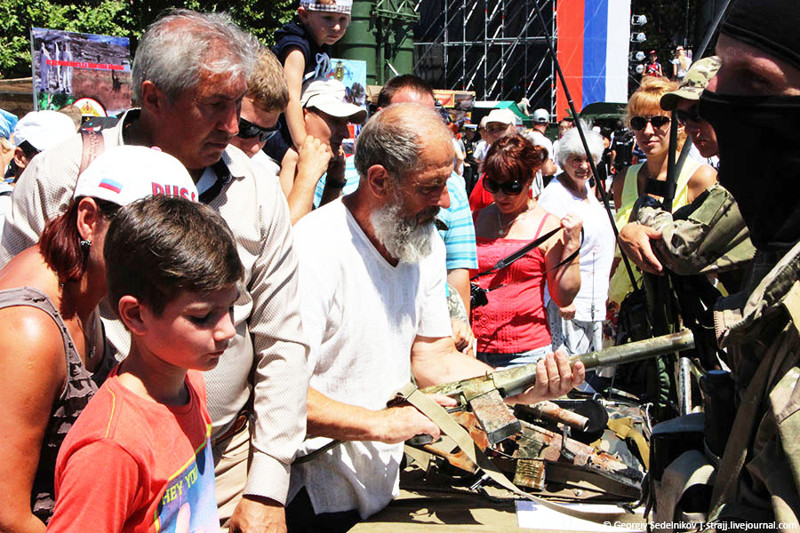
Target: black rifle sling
[(507, 261)]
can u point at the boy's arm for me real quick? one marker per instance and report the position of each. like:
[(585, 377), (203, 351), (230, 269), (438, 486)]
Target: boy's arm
[(96, 488), (294, 67)]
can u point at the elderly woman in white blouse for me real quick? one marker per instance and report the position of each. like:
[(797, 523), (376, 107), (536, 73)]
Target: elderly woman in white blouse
[(579, 327)]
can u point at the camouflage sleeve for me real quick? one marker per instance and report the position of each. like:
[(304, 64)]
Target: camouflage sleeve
[(707, 235)]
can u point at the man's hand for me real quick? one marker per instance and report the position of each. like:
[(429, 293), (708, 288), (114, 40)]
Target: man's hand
[(402, 422), (463, 337), (256, 514), (554, 378), (313, 160), (568, 312), (634, 239), (336, 164)]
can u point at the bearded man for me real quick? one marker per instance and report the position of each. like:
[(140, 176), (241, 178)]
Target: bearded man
[(373, 279)]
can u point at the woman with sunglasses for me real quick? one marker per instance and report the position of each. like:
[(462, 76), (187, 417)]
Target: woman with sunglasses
[(579, 326), (651, 125), (511, 328)]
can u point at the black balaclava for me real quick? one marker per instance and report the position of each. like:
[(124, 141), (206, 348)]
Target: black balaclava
[(759, 136)]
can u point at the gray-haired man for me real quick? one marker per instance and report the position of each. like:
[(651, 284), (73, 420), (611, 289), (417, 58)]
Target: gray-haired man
[(373, 277)]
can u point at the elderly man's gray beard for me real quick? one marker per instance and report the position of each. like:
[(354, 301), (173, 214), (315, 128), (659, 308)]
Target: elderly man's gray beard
[(406, 240)]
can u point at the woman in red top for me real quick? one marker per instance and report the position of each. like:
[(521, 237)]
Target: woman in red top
[(512, 327)]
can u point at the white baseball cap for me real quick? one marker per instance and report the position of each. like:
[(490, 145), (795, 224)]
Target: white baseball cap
[(124, 174), (328, 95), (43, 129), (541, 116), (504, 116)]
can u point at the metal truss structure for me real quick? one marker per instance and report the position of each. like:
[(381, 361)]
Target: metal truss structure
[(494, 47)]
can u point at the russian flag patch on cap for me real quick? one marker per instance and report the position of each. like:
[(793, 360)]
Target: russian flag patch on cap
[(111, 185)]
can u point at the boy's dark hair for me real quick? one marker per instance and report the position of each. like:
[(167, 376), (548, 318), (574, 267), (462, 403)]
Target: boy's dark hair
[(404, 81), (161, 245)]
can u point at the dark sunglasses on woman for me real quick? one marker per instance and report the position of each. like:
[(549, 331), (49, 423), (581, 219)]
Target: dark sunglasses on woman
[(658, 122), (511, 188), (688, 115), (248, 130)]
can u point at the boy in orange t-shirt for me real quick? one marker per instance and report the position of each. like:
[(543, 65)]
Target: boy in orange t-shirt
[(138, 459)]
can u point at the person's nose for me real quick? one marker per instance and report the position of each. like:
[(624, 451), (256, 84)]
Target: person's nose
[(444, 199), (225, 329), (229, 118)]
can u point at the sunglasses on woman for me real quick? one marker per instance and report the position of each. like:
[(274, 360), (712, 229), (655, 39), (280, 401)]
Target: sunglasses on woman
[(688, 115), (511, 188), (658, 122), (248, 130)]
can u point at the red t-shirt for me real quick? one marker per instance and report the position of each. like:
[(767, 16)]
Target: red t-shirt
[(131, 464)]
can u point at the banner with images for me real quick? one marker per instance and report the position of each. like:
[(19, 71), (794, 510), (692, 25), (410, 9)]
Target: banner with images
[(353, 75), (69, 66)]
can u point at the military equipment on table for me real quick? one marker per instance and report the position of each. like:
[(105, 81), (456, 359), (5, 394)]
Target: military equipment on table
[(539, 448), (484, 394)]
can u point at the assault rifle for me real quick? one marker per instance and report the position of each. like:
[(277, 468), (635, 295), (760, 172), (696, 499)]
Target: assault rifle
[(524, 450), (484, 394)]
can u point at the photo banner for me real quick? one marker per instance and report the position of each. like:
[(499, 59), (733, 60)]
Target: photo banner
[(70, 66)]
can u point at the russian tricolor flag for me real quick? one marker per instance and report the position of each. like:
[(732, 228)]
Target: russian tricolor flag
[(593, 45)]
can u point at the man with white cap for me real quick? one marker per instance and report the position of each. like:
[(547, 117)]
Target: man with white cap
[(37, 131), (541, 119), (326, 115), (189, 76), (499, 123)]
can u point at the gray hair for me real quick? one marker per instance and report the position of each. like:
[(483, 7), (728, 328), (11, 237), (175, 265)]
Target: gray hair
[(394, 137), (570, 144), (180, 45)]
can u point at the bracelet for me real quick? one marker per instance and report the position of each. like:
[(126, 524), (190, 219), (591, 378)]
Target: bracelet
[(335, 184)]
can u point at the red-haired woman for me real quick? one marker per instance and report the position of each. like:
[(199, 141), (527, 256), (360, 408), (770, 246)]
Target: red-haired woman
[(512, 327), (53, 354)]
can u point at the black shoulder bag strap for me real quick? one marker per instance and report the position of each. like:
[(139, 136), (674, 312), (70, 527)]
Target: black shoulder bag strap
[(507, 261)]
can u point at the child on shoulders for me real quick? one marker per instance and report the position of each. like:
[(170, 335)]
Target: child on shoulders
[(303, 47)]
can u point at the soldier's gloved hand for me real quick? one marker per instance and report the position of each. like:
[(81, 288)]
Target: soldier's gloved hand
[(634, 239), (402, 422), (554, 378)]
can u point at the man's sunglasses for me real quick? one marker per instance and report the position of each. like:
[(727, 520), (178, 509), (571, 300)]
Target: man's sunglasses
[(248, 130), (658, 122), (511, 188), (688, 115)]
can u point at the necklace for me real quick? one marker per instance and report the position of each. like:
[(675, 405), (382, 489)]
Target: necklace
[(504, 228)]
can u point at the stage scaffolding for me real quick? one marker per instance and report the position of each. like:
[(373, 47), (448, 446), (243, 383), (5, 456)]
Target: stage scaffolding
[(494, 47)]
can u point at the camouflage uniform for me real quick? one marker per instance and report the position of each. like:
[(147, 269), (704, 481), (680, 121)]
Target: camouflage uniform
[(707, 237), (759, 475)]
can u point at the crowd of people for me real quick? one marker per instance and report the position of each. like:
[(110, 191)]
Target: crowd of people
[(212, 305)]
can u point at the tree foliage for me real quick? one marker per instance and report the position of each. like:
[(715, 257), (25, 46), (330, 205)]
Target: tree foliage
[(112, 17)]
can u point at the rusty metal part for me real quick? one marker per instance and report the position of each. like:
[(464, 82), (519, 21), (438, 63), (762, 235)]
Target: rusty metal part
[(530, 473), (494, 416), (552, 412)]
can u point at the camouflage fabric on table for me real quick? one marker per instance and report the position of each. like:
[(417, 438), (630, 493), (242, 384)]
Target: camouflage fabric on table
[(706, 236)]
